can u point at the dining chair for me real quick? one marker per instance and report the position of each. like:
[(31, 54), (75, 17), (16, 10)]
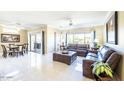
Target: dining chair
[(25, 48), (11, 44), (5, 51), (20, 51)]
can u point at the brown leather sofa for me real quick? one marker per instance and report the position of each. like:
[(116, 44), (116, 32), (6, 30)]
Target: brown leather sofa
[(104, 54), (81, 49)]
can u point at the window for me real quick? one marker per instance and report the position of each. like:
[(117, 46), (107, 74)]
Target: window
[(79, 38), (63, 38), (70, 38)]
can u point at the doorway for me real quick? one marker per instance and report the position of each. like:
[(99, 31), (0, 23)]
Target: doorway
[(35, 42)]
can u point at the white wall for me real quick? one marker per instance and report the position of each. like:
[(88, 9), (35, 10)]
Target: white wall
[(99, 34)]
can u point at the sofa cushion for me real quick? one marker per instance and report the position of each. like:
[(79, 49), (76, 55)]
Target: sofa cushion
[(82, 46), (99, 55), (72, 46), (71, 49), (82, 51), (113, 60), (96, 57), (101, 48), (92, 54), (91, 58), (105, 53)]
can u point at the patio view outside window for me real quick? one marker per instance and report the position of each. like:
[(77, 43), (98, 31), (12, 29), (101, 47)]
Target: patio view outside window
[(79, 38)]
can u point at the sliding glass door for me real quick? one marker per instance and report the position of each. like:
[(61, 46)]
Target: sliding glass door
[(35, 42), (32, 42)]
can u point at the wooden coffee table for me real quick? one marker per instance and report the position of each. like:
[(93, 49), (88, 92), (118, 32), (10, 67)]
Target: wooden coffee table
[(65, 58)]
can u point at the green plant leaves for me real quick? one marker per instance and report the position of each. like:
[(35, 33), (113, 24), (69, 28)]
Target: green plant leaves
[(100, 67)]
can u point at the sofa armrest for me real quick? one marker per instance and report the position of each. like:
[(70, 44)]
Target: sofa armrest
[(82, 53), (88, 62), (87, 69), (114, 60)]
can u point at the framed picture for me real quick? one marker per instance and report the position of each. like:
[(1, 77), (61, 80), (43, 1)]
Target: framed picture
[(6, 38), (112, 29)]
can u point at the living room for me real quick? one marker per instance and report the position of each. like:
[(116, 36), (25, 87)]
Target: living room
[(102, 37), (45, 37), (36, 37)]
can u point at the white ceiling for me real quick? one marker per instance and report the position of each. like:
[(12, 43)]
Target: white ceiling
[(58, 19)]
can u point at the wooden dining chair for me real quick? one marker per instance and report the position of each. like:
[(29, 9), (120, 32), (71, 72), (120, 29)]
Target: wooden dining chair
[(5, 51)]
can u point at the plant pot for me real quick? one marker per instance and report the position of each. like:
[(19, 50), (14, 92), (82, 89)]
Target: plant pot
[(102, 77), (105, 79)]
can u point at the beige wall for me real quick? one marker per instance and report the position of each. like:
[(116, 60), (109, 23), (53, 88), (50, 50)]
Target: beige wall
[(23, 36), (50, 39), (99, 34), (120, 46), (22, 33)]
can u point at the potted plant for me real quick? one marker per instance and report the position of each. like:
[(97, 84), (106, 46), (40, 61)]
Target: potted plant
[(102, 71)]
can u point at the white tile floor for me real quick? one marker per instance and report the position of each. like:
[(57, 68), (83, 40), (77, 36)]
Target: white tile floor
[(34, 67)]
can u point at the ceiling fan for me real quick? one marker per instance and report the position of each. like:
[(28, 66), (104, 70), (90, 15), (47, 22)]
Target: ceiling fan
[(70, 22)]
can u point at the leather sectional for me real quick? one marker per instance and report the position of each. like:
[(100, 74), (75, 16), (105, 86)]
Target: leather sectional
[(81, 49), (104, 54)]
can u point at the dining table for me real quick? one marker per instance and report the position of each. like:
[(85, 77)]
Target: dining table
[(16, 48), (13, 47), (19, 45)]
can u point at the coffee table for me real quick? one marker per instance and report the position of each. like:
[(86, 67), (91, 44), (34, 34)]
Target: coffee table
[(65, 58)]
